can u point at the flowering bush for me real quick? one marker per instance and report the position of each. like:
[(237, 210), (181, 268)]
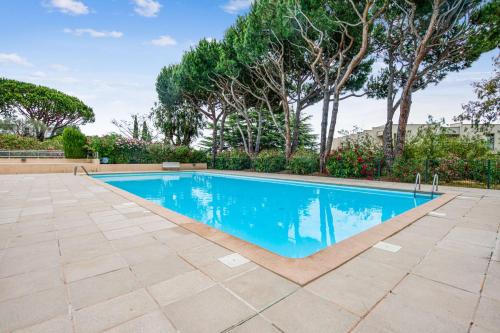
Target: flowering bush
[(353, 162)]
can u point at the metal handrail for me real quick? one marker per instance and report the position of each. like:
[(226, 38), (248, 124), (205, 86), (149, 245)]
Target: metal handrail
[(417, 182), (435, 184), (81, 166), (31, 153)]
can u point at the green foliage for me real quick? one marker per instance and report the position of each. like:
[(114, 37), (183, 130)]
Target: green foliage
[(16, 142), (404, 169), (353, 163), (180, 124), (434, 142), (359, 157), (51, 107), (122, 150), (233, 160), (485, 110), (304, 162), (145, 135), (269, 161), (74, 143), (271, 138), (135, 130), (103, 146)]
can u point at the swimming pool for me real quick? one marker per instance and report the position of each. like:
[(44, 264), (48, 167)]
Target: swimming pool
[(290, 218)]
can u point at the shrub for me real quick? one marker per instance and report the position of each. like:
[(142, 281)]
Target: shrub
[(122, 150), (15, 142), (353, 162), (198, 156), (269, 161), (158, 153), (304, 162), (103, 146), (404, 169), (233, 160), (74, 143)]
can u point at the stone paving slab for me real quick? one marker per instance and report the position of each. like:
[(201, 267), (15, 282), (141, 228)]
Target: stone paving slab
[(215, 310), (76, 257)]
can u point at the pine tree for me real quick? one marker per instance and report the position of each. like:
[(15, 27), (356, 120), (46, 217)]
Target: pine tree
[(135, 133), (145, 135)]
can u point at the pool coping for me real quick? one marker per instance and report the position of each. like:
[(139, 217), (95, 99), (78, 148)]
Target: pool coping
[(299, 270)]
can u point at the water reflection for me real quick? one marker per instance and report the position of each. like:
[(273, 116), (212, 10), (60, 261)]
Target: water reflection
[(293, 220)]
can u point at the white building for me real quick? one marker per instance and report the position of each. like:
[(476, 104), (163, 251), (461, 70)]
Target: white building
[(492, 135)]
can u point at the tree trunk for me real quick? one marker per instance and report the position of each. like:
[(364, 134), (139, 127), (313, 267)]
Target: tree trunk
[(387, 143), (333, 121), (40, 135), (324, 124), (250, 137), (259, 132), (387, 140), (221, 133), (243, 139), (406, 96), (296, 121), (214, 141), (288, 141), (404, 113)]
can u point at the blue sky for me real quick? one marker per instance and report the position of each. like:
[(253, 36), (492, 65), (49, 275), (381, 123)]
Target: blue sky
[(109, 52)]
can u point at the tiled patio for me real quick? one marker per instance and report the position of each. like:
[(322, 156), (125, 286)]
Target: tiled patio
[(76, 257)]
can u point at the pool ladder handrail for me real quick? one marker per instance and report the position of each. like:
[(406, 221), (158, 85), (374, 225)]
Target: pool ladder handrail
[(417, 183), (435, 184), (81, 166)]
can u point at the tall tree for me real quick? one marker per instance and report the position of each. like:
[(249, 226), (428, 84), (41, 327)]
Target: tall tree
[(180, 126), (178, 121), (145, 135), (135, 130), (50, 107), (271, 136), (270, 49), (443, 33), (198, 71), (337, 36), (486, 109)]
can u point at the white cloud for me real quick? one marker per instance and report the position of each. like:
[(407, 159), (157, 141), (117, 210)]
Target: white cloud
[(147, 8), (94, 33), (59, 68), (72, 7), (164, 41), (13, 58), (236, 6), (39, 74)]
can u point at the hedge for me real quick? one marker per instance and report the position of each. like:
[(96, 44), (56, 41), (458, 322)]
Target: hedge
[(74, 143), (233, 160), (15, 142), (269, 161), (304, 163)]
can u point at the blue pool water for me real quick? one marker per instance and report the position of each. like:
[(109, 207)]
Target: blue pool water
[(292, 219)]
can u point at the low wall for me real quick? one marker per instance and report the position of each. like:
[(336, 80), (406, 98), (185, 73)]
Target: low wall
[(47, 160), (66, 167)]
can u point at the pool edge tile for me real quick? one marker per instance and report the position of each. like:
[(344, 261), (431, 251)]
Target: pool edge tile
[(303, 270)]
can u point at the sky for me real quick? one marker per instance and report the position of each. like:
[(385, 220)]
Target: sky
[(108, 53)]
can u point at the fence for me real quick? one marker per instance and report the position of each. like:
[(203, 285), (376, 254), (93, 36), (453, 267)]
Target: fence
[(452, 172), (31, 154)]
